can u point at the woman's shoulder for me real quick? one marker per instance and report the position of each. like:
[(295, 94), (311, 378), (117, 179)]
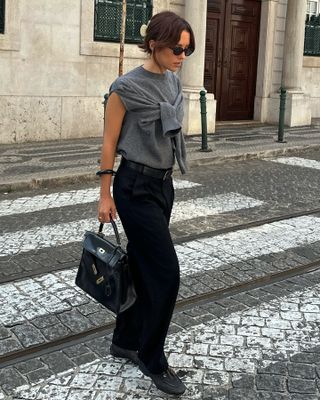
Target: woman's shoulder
[(140, 79), (122, 81), (121, 78)]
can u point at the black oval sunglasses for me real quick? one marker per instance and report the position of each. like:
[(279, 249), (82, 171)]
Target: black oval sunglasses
[(179, 50)]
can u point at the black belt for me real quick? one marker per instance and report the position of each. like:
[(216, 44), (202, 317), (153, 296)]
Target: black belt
[(145, 170)]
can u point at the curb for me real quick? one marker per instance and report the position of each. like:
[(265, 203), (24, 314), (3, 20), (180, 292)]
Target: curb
[(252, 155), (88, 177)]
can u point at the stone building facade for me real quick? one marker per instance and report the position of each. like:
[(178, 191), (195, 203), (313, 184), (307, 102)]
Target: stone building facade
[(53, 74)]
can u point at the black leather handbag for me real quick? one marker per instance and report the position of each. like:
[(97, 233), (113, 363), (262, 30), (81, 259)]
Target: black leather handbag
[(104, 271)]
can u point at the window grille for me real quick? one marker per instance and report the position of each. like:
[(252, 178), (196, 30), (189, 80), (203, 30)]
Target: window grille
[(312, 36), (107, 22), (2, 15)]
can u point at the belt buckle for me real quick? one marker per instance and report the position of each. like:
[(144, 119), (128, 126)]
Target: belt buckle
[(166, 174)]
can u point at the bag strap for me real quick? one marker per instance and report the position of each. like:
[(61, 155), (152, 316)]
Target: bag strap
[(115, 229)]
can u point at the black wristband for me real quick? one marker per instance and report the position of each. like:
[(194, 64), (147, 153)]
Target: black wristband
[(106, 172)]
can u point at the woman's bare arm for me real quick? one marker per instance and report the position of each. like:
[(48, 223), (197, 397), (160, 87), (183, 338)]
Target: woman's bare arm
[(114, 115)]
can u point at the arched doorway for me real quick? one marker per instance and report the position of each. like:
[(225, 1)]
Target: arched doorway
[(232, 42)]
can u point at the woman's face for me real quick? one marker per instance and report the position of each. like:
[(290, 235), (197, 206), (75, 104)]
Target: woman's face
[(166, 59)]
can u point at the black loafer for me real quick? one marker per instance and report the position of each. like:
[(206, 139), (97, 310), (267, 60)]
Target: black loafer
[(120, 352), (168, 381)]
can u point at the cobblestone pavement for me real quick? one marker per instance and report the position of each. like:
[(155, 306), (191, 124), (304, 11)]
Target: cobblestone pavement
[(266, 350), (272, 188), (59, 234), (29, 306), (37, 164), (253, 345), (29, 204)]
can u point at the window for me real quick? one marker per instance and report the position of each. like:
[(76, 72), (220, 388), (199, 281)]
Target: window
[(2, 15), (312, 36), (312, 7), (107, 21)]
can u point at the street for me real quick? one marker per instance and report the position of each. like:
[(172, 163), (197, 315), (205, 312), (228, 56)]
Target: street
[(246, 324)]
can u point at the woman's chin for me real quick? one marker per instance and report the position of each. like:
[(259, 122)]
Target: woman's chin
[(174, 68)]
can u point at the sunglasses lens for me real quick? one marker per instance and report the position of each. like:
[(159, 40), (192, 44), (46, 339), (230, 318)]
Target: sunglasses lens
[(177, 51)]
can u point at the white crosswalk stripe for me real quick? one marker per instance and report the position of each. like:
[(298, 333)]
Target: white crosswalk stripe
[(28, 204), (47, 294), (211, 253), (298, 162), (59, 234)]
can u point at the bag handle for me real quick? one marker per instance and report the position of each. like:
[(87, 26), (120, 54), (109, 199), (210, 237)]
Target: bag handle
[(115, 229)]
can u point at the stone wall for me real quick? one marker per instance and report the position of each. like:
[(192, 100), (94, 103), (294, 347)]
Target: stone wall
[(310, 75), (311, 83), (53, 76)]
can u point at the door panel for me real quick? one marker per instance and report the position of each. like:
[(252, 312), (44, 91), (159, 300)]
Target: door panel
[(214, 47), (231, 56), (213, 60)]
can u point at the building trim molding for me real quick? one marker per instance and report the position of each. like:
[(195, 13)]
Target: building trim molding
[(10, 40), (311, 62), (88, 47)]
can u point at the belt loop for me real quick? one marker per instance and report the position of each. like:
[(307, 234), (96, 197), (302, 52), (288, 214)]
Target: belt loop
[(166, 174)]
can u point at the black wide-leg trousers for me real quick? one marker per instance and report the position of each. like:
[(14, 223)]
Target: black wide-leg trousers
[(144, 206)]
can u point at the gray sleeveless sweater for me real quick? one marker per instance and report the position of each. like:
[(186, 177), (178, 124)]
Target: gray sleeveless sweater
[(151, 130)]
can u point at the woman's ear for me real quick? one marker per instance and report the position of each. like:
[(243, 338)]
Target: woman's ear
[(151, 44)]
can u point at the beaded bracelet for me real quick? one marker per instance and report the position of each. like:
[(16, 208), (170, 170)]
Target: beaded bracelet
[(106, 172)]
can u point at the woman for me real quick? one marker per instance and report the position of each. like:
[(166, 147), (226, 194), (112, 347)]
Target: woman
[(143, 123)]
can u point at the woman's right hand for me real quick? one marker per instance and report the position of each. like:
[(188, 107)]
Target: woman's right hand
[(106, 207)]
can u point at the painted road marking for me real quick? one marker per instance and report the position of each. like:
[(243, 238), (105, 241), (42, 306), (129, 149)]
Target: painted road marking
[(24, 205), (64, 233), (49, 293), (298, 162), (211, 253)]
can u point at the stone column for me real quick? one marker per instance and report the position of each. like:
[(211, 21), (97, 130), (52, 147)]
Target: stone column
[(298, 110), (294, 45), (192, 72), (264, 71)]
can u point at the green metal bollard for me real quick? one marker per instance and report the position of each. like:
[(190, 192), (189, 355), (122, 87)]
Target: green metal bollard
[(283, 95), (204, 131), (104, 107)]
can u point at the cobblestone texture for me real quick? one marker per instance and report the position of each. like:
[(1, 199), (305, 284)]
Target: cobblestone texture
[(30, 315), (267, 183), (260, 344), (222, 358)]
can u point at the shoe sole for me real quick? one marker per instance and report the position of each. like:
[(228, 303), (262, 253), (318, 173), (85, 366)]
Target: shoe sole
[(144, 370)]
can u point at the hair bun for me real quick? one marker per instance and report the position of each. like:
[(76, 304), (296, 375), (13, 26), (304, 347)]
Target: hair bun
[(143, 29)]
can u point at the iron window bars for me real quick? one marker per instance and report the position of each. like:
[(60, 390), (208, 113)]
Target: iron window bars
[(107, 19), (312, 36)]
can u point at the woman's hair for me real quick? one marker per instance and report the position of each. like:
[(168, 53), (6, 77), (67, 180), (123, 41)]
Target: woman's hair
[(165, 28)]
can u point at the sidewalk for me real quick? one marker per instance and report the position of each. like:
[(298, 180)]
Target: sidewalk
[(32, 165)]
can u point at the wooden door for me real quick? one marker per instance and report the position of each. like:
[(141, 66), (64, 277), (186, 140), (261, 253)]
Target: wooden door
[(231, 56)]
